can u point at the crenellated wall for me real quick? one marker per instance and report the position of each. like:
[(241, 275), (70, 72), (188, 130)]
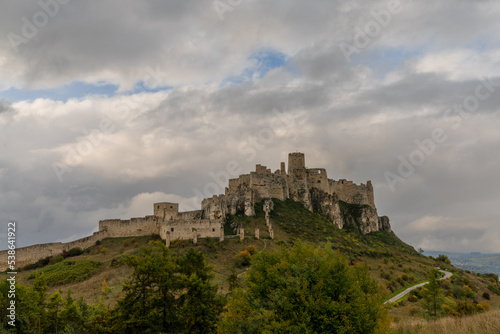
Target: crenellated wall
[(185, 229), (31, 254), (309, 186), (133, 227), (350, 192)]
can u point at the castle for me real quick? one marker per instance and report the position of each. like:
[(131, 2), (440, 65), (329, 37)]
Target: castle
[(309, 186)]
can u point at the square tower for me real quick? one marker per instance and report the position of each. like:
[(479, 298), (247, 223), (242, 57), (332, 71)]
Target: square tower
[(296, 161), (166, 210)]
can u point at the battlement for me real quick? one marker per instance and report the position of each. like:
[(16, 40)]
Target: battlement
[(296, 161), (309, 186), (166, 210)]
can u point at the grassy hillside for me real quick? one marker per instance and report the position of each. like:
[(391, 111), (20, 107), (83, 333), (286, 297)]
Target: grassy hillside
[(394, 264)]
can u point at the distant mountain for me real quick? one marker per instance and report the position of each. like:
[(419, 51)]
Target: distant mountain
[(475, 261)]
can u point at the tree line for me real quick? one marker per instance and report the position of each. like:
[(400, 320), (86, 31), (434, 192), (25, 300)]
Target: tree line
[(302, 289)]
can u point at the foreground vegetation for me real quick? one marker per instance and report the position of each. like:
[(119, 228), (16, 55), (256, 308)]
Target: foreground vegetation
[(485, 323), (96, 290), (302, 289)]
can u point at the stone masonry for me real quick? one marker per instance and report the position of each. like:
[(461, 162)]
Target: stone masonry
[(309, 186)]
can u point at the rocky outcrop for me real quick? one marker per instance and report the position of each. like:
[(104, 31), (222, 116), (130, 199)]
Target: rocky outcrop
[(383, 224)]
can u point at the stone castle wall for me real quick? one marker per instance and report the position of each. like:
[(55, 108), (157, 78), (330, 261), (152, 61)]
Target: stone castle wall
[(132, 227), (309, 186), (185, 229), (350, 192), (31, 254)]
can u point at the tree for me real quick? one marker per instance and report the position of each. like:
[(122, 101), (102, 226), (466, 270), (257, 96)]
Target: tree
[(432, 293), (232, 279), (167, 294), (199, 306), (36, 302), (54, 311), (71, 315), (305, 290)]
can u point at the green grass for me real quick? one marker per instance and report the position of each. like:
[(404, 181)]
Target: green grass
[(68, 271)]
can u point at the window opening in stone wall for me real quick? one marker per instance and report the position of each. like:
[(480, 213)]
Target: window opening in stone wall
[(172, 229)]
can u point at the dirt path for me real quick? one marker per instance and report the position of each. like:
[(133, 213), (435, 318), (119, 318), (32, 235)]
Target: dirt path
[(400, 295)]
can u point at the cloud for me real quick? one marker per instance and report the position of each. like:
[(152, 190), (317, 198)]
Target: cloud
[(146, 102)]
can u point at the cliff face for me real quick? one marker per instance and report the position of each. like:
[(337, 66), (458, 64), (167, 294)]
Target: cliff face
[(356, 217), (309, 186)]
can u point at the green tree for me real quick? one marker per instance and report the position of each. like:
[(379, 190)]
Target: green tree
[(36, 302), (199, 305), (432, 293), (232, 279), (54, 311), (71, 315), (98, 318), (305, 290), (167, 294)]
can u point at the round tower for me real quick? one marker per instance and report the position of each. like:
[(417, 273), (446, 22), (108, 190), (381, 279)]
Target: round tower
[(296, 161)]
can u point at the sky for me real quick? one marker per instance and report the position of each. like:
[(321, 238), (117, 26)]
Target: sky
[(109, 106)]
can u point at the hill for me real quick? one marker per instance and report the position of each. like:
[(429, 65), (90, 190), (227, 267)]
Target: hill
[(394, 264), (476, 262)]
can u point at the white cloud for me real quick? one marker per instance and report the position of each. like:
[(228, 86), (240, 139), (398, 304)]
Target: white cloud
[(355, 119)]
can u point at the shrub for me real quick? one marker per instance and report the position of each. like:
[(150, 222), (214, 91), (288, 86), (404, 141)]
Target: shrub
[(243, 259), (75, 251), (115, 262), (251, 249), (486, 295), (68, 271), (104, 250), (443, 258), (412, 298)]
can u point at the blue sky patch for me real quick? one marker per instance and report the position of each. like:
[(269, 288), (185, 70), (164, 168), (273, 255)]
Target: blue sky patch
[(264, 61), (383, 60), (74, 90)]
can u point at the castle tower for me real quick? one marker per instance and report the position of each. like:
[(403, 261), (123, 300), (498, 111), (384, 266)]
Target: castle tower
[(296, 161), (166, 210)]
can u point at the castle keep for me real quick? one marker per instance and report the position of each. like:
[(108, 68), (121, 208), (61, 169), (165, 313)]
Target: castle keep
[(309, 186)]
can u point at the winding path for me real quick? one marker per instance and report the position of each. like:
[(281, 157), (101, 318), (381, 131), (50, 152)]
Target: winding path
[(400, 295)]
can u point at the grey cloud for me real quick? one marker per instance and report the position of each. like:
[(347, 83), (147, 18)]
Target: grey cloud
[(345, 117)]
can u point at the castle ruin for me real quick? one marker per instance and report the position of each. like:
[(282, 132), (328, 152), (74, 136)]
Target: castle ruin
[(309, 186)]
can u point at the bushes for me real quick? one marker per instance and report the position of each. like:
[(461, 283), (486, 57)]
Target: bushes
[(68, 271), (412, 298)]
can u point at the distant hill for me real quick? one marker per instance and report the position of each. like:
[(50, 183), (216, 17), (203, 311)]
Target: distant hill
[(476, 262)]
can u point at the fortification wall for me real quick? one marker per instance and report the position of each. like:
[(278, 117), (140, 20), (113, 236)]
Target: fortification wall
[(185, 229), (296, 161), (350, 192), (196, 214), (268, 185), (135, 227), (317, 178), (166, 210), (31, 254), (235, 185), (86, 242)]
